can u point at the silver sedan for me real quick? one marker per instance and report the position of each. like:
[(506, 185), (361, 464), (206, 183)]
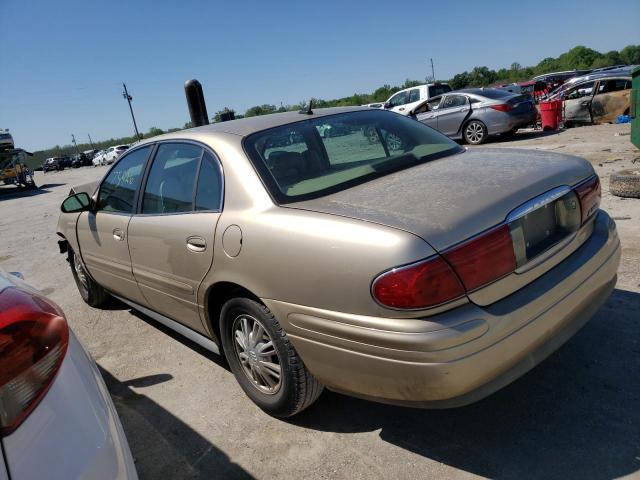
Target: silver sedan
[(473, 115)]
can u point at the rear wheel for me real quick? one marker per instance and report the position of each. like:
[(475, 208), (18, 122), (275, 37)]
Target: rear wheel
[(92, 293), (262, 359), (475, 132)]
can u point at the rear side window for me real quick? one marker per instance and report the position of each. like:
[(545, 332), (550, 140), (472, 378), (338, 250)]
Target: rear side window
[(117, 192), (169, 188), (438, 89), (452, 101), (414, 95), (209, 191), (614, 85)]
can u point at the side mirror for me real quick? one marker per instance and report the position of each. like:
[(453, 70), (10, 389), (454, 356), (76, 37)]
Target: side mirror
[(386, 105), (79, 202)]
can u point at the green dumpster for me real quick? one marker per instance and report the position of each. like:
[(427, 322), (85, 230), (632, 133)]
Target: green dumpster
[(635, 107)]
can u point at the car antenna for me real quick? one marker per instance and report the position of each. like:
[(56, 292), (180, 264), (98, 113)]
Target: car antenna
[(308, 111)]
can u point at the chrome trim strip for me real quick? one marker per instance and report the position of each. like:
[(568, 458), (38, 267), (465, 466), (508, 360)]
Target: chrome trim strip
[(537, 202), (192, 335)]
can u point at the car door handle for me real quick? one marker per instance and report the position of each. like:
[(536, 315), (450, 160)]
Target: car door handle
[(196, 244), (118, 234), (401, 109)]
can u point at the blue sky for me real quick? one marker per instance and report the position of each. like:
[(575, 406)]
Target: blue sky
[(62, 62)]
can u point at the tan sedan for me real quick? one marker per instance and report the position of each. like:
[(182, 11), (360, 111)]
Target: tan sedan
[(384, 261)]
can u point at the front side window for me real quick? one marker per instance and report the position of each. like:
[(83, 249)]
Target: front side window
[(579, 91), (400, 98), (118, 190), (169, 188), (366, 144)]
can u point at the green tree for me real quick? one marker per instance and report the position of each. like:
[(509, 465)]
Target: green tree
[(264, 109), (154, 131), (630, 54)]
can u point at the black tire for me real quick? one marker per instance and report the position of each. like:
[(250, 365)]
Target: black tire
[(296, 388), (92, 293), (475, 132), (625, 183)]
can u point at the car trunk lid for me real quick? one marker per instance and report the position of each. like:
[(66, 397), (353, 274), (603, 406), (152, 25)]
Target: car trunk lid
[(450, 200)]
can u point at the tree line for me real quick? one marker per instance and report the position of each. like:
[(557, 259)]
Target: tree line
[(577, 58)]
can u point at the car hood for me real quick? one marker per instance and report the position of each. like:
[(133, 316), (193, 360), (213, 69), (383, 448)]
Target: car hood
[(448, 200)]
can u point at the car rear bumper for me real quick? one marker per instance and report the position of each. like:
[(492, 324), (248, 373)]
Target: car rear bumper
[(74, 432), (462, 355)]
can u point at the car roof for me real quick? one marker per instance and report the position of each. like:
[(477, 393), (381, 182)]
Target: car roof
[(246, 126)]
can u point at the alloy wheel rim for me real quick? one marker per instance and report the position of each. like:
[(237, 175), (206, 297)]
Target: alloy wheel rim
[(257, 354), (474, 132), (82, 275)]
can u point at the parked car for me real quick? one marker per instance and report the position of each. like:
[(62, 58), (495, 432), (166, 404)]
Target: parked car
[(405, 100), (6, 140), (560, 92), (114, 152), (475, 114), (597, 101), (422, 274), (98, 158), (53, 163), (80, 160), (57, 420)]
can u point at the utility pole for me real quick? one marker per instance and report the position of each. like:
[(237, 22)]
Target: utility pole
[(91, 141), (433, 74), (73, 139), (128, 98)]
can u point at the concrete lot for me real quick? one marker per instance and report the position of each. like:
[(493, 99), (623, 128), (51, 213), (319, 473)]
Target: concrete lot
[(577, 415)]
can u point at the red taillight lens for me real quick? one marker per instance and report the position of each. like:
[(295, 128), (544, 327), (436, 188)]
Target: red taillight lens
[(420, 285), (33, 341), (589, 195), (502, 107), (483, 259)]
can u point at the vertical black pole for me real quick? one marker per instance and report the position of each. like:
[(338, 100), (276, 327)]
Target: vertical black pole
[(195, 102), (128, 97)]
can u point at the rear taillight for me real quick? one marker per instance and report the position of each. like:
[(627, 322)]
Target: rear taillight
[(33, 341), (483, 259), (420, 285), (502, 107), (589, 195)]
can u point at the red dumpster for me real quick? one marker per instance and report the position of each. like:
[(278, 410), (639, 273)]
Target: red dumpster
[(551, 114)]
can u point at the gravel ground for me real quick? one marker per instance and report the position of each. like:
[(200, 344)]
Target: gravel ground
[(574, 416)]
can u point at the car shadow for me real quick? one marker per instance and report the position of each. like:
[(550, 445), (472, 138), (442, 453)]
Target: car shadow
[(576, 415), (162, 445), (8, 192)]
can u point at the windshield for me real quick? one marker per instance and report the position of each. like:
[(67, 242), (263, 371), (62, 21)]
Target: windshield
[(318, 156)]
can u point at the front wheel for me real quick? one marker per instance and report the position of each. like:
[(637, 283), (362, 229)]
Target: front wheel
[(262, 359), (475, 132), (92, 293)]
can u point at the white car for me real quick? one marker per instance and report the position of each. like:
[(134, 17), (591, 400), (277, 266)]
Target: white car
[(114, 152), (98, 158), (6, 140), (406, 100), (57, 420)]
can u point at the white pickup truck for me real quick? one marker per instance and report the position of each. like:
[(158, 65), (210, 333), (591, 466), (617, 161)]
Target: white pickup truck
[(403, 101)]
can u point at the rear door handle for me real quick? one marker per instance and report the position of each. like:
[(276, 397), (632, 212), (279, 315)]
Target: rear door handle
[(196, 244), (401, 109), (118, 234)]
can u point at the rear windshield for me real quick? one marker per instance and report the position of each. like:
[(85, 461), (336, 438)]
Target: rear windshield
[(439, 89), (318, 156)]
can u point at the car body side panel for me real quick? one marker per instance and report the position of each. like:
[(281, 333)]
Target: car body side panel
[(450, 120), (74, 432), (316, 259), (102, 238), (606, 107), (166, 269)]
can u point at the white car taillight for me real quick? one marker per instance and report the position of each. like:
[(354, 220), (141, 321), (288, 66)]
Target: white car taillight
[(33, 341)]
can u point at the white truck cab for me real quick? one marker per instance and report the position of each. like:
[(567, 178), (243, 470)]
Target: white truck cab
[(405, 100)]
